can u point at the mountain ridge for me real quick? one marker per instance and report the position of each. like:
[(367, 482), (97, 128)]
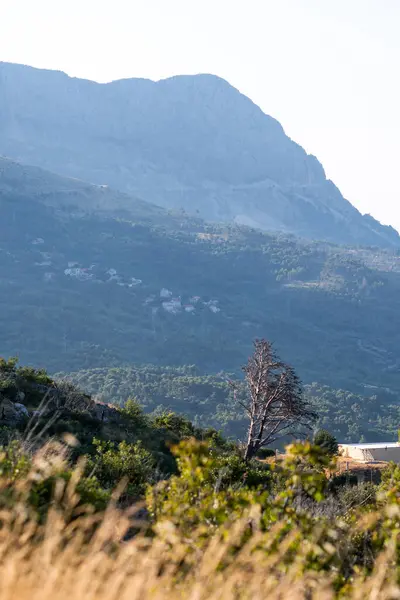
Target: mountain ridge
[(190, 143)]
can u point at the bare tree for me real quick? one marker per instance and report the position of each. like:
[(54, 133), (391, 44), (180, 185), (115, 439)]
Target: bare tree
[(274, 405)]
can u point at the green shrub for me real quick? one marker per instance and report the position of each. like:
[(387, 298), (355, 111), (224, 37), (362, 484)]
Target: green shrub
[(34, 482), (8, 365), (354, 497), (14, 461), (133, 411), (114, 462), (32, 375), (195, 497), (327, 441), (92, 494), (176, 424)]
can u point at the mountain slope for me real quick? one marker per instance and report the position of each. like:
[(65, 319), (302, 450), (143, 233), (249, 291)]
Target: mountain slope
[(76, 196), (82, 289), (189, 142)]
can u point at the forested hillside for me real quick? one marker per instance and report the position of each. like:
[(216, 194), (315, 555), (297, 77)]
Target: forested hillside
[(80, 289), (208, 400)]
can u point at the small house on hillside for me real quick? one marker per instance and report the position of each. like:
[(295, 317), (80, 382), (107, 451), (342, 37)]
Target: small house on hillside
[(367, 453)]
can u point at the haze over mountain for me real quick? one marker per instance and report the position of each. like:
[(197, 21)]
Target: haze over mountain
[(190, 142)]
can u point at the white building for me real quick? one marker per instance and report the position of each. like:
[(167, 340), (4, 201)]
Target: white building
[(44, 263), (135, 282), (212, 305), (170, 307), (214, 308), (377, 452), (173, 305), (81, 274)]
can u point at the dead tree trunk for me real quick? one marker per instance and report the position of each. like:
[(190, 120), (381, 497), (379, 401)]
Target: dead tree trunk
[(274, 405)]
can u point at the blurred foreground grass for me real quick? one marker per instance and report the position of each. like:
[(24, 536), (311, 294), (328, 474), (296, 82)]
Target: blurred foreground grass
[(76, 553)]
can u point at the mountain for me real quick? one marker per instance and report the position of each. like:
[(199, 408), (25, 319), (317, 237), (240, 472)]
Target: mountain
[(192, 143), (83, 287)]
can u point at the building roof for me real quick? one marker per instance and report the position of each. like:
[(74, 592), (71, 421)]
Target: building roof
[(374, 445)]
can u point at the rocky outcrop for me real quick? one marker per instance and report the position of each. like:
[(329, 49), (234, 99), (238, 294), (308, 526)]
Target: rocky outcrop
[(56, 401), (49, 399), (106, 413), (12, 413)]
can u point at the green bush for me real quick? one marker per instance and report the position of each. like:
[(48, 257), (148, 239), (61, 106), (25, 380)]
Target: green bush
[(354, 497), (133, 411), (199, 496), (114, 462), (14, 461), (34, 483), (326, 441), (176, 424)]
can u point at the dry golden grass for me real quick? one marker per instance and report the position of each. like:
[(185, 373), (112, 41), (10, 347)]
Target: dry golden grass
[(76, 555), (62, 566)]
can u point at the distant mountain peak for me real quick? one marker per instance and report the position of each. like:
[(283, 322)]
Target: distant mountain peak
[(190, 142)]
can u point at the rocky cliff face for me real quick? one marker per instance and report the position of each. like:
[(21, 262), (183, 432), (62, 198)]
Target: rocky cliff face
[(190, 142)]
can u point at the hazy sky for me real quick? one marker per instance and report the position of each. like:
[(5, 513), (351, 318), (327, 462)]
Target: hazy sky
[(328, 70)]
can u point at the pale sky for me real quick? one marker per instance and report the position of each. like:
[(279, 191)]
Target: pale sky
[(328, 70)]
